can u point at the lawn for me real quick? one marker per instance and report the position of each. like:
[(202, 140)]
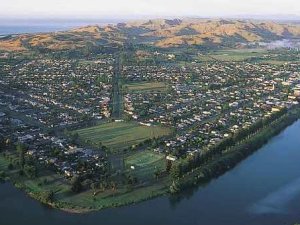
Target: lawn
[(276, 62), (84, 201), (119, 135), (3, 164), (145, 86), (45, 181), (122, 196), (232, 55), (145, 163)]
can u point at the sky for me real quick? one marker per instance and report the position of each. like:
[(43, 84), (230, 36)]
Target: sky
[(147, 8)]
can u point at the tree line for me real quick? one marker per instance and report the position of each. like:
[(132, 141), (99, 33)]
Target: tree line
[(219, 158)]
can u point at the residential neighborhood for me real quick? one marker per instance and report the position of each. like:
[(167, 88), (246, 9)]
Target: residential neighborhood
[(204, 102)]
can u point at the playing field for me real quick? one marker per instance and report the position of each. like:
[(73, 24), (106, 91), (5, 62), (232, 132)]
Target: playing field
[(277, 62), (119, 135), (232, 55), (146, 86), (145, 163)]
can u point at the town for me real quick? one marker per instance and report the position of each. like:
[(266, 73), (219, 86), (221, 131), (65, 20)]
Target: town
[(61, 113)]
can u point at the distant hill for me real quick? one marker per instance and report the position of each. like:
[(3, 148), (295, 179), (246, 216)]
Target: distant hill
[(200, 32), (162, 33)]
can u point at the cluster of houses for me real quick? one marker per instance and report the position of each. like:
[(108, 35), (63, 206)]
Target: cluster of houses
[(207, 102), (53, 152), (37, 96), (203, 102), (59, 92)]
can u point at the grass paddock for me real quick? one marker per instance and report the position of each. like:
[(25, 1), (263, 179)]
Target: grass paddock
[(120, 135), (146, 86), (145, 163)]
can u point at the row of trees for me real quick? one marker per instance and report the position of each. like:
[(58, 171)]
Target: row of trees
[(227, 153), (79, 183), (26, 164)]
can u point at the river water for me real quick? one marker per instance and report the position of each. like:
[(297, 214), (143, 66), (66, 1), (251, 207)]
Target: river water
[(264, 189)]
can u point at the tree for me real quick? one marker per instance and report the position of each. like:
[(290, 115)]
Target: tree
[(168, 165), (94, 188), (176, 171), (48, 196), (157, 173), (113, 185), (10, 166), (175, 187), (30, 171), (2, 144), (76, 185), (2, 175), (21, 149), (74, 138)]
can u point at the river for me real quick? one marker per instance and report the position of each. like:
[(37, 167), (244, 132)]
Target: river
[(264, 189)]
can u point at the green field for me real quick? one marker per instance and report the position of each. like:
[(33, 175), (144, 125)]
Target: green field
[(85, 201), (145, 86), (277, 62), (82, 202), (119, 135), (232, 55), (3, 164), (145, 163), (46, 180)]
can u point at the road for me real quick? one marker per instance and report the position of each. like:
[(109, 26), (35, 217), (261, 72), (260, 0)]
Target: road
[(117, 98)]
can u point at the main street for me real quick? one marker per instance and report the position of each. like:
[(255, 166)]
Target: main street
[(117, 99)]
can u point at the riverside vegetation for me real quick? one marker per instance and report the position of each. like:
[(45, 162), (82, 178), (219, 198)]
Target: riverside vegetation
[(187, 172), (224, 156), (103, 116)]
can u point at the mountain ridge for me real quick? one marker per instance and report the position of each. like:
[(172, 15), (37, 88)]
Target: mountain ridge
[(162, 33)]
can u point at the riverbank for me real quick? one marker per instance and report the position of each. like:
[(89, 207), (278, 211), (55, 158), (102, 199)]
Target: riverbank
[(86, 202), (232, 155), (233, 198)]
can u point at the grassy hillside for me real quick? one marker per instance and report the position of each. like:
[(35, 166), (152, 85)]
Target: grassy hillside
[(161, 33)]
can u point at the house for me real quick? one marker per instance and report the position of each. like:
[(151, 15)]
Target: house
[(171, 158)]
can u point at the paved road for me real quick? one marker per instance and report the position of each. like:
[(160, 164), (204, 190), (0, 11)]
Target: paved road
[(117, 98)]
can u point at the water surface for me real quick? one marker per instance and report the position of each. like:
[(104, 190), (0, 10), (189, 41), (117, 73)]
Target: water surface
[(264, 189)]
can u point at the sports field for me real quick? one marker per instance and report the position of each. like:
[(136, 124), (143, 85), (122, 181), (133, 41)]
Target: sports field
[(119, 135), (232, 55), (145, 163), (145, 86)]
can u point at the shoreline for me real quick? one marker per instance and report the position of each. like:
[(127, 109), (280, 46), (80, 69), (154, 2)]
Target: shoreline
[(235, 154), (75, 209), (197, 177)]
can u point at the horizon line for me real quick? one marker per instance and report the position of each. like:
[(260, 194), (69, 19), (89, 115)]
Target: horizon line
[(149, 16)]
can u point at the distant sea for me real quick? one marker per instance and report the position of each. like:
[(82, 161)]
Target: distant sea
[(12, 27), (5, 30)]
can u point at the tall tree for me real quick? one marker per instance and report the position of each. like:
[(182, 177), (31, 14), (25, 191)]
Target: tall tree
[(21, 149), (76, 185)]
